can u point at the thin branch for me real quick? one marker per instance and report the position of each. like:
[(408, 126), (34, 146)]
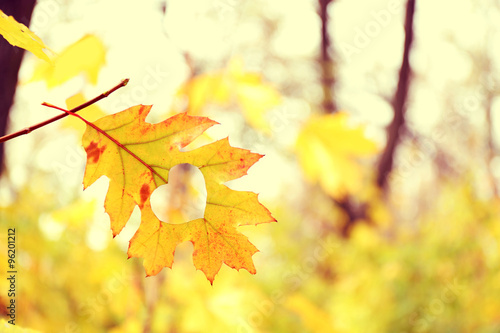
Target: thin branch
[(116, 142), (327, 78), (27, 130), (399, 102)]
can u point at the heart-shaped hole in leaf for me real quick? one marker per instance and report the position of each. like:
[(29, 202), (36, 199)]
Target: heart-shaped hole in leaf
[(184, 197)]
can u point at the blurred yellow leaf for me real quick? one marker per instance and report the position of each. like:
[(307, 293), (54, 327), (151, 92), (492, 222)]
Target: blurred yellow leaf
[(204, 89), (379, 212), (328, 149), (91, 113), (248, 90), (5, 327), (19, 35), (86, 55), (76, 214), (314, 318), (364, 236), (130, 325)]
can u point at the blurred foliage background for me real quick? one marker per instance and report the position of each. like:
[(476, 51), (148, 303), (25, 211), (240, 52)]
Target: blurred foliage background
[(380, 124)]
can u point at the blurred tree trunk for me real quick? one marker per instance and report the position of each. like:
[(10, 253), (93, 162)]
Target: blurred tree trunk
[(10, 61), (327, 75), (490, 95), (353, 210), (491, 145), (398, 103)]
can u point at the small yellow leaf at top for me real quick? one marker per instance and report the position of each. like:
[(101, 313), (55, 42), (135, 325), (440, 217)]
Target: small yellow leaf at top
[(91, 113), (18, 34), (86, 55), (329, 148)]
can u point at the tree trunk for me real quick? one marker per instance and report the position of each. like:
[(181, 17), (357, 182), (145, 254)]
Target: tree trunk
[(10, 61), (327, 75), (398, 103)]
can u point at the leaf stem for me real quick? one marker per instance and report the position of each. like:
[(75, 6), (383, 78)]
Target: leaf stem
[(27, 130)]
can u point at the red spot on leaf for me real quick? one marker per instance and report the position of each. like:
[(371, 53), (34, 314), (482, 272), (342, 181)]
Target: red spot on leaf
[(94, 152), (144, 194)]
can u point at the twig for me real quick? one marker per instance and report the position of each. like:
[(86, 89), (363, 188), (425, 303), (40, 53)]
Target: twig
[(27, 130)]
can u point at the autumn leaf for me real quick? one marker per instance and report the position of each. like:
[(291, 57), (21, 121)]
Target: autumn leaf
[(329, 149), (18, 34), (136, 156), (86, 55), (248, 90)]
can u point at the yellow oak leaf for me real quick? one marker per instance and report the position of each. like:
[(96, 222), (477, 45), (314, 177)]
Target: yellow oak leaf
[(248, 90), (86, 55), (137, 156), (329, 148), (91, 113), (18, 34)]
